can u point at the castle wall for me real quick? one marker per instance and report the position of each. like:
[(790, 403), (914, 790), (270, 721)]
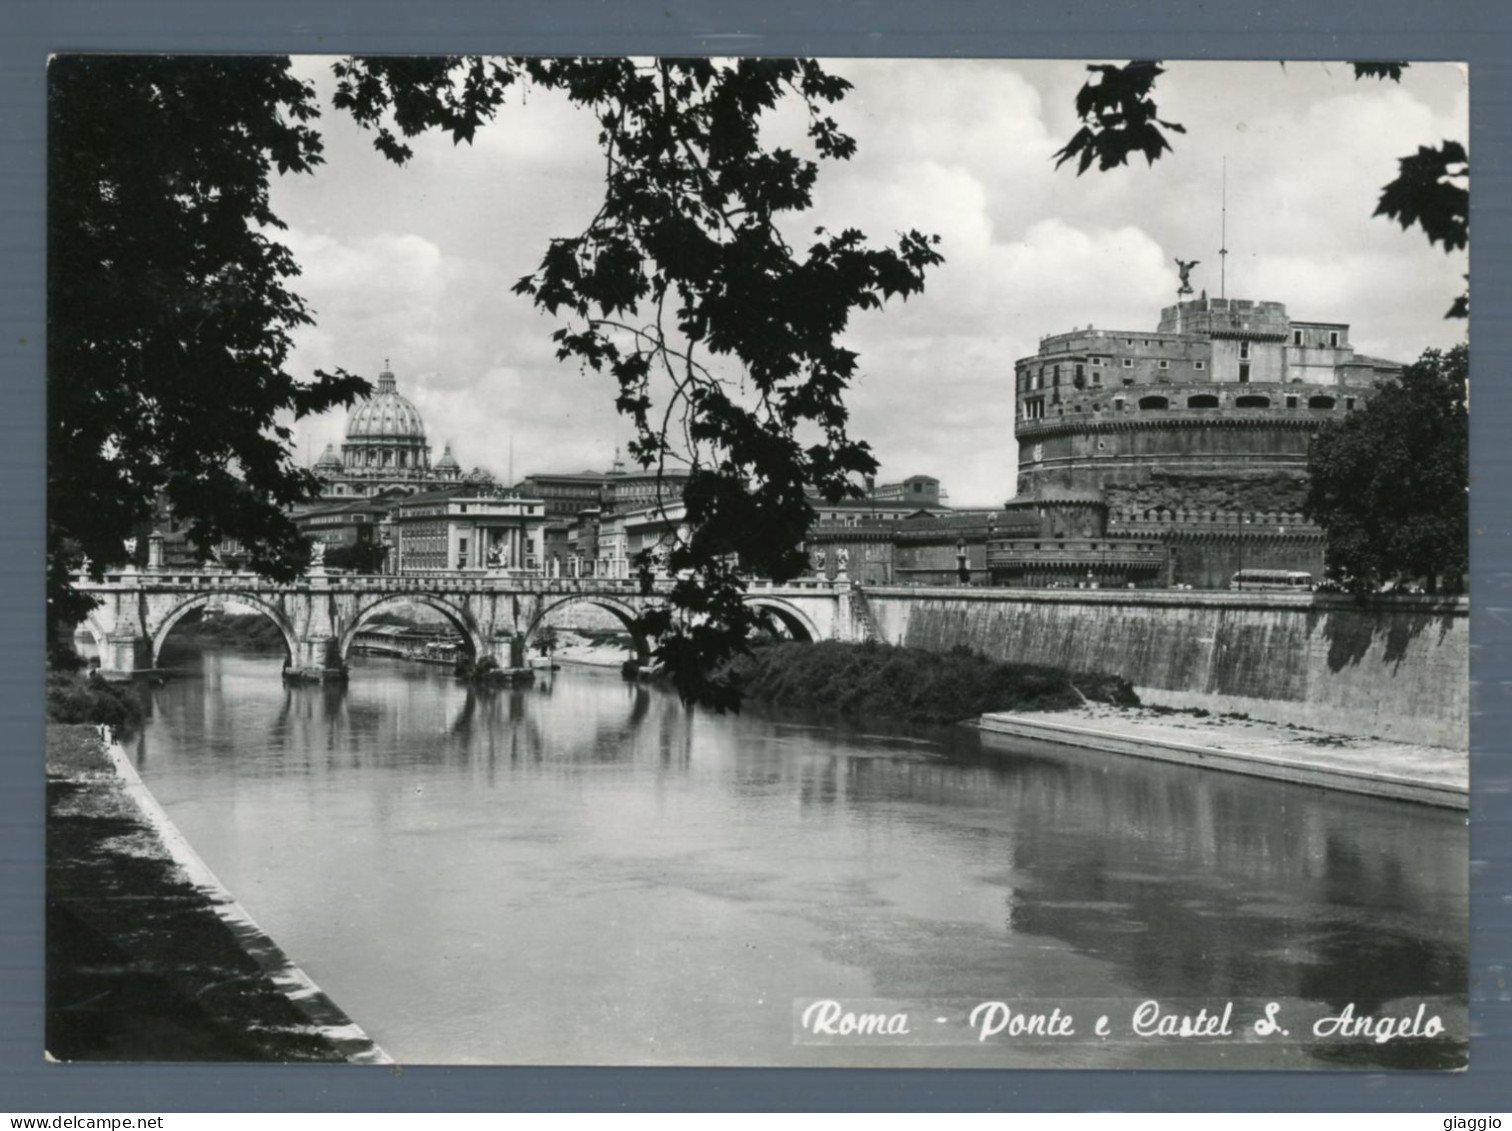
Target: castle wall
[(1266, 361), (1396, 668), (1206, 561), (1090, 457)]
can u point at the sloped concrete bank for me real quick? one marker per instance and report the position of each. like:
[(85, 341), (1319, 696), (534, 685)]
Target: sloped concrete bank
[(148, 955), (1427, 775)]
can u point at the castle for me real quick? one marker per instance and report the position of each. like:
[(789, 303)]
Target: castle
[(1175, 456)]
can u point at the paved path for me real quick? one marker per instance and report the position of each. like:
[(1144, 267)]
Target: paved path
[(1431, 775), (148, 957)]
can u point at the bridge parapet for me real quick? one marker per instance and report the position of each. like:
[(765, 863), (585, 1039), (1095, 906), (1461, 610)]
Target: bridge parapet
[(444, 583), (809, 584)]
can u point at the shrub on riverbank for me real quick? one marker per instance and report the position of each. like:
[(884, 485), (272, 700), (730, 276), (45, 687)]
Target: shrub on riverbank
[(74, 697), (912, 684)]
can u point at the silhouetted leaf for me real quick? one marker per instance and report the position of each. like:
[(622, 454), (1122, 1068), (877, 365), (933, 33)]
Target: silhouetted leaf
[(1120, 118), (1377, 70), (1425, 193)]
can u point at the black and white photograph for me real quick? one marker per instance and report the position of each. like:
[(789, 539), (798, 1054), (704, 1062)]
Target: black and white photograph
[(758, 562)]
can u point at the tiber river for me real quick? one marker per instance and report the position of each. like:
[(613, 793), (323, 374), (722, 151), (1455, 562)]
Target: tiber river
[(585, 872)]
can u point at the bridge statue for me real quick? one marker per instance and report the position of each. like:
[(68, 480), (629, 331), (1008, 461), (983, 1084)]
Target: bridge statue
[(317, 554)]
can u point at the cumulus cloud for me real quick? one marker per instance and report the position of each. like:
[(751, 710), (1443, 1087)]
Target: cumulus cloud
[(416, 263)]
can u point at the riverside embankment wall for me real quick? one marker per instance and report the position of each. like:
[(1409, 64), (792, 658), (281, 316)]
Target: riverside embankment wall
[(1395, 668)]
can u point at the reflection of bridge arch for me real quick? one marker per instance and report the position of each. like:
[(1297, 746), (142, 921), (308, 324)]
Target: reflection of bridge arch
[(628, 615), (459, 619), (96, 634), (798, 623), (269, 610)]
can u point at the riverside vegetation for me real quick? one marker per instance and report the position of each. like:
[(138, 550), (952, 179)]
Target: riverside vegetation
[(78, 696), (913, 684)]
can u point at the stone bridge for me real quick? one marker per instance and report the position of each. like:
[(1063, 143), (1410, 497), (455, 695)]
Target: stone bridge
[(496, 614)]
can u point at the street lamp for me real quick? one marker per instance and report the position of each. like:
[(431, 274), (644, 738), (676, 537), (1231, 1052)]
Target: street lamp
[(963, 571)]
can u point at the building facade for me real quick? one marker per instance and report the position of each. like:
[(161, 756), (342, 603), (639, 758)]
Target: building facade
[(566, 493), (919, 491), (468, 528), (866, 535), (344, 525), (645, 488), (1179, 455), (600, 520)]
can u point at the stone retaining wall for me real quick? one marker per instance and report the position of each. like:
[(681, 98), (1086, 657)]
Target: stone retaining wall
[(1394, 668)]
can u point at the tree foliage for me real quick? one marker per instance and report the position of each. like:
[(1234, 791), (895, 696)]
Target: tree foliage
[(359, 557), (1427, 193), (722, 338), (1119, 119), (168, 314), (171, 313), (1389, 483)]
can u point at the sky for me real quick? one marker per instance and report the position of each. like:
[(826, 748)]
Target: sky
[(414, 265)]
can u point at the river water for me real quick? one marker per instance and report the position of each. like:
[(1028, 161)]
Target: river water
[(585, 872)]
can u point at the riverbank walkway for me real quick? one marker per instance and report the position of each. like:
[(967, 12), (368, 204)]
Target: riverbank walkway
[(1430, 775), (148, 957)]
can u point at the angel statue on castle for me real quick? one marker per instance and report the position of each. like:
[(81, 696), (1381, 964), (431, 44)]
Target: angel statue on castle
[(1185, 267)]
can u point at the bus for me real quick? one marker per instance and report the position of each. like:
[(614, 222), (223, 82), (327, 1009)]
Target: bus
[(1277, 579)]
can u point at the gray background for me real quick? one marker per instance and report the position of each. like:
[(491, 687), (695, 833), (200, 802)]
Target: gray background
[(1472, 30)]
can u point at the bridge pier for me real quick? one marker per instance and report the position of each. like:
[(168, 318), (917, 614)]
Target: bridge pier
[(316, 659), (316, 653), (507, 649), (126, 653)]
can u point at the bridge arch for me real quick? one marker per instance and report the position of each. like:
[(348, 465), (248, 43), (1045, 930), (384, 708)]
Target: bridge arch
[(798, 623), (267, 608), (97, 634), (628, 615), (458, 618), (98, 637)]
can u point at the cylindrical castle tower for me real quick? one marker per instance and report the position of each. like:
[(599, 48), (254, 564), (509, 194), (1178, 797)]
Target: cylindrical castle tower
[(1196, 433)]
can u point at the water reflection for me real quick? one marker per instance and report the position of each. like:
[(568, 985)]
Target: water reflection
[(507, 875)]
